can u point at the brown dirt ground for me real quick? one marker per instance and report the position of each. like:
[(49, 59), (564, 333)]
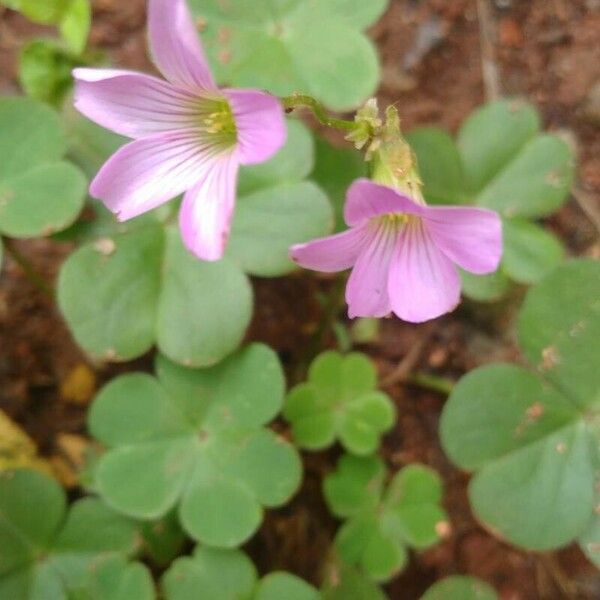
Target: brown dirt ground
[(546, 50)]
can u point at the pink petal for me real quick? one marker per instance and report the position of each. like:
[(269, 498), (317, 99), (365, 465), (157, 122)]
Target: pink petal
[(366, 199), (207, 209), (133, 104), (367, 289), (423, 282), (260, 122), (470, 237), (176, 47), (331, 254), (147, 172)]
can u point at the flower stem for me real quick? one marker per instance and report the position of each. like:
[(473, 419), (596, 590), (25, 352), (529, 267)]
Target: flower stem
[(295, 101)]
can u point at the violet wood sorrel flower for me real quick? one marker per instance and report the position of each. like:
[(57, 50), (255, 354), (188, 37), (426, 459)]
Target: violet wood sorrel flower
[(403, 253), (189, 135)]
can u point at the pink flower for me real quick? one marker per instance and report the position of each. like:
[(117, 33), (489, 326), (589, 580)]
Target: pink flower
[(403, 254), (189, 135)]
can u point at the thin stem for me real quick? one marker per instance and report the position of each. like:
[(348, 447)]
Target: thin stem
[(332, 306), (30, 271), (442, 385), (302, 101), (491, 78)]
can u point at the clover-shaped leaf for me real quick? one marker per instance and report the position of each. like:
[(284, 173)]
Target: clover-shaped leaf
[(229, 575), (531, 436), (339, 401), (53, 553), (459, 587), (315, 46), (40, 192), (383, 519), (501, 161), (195, 439)]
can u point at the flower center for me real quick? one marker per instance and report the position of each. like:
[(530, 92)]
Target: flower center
[(216, 118), (394, 221)]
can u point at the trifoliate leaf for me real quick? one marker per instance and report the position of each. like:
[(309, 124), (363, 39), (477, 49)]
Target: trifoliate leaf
[(339, 401), (52, 553), (383, 519), (530, 436), (196, 441)]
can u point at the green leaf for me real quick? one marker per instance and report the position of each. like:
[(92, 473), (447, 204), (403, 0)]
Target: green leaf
[(382, 521), (195, 439), (440, 165), (45, 71), (530, 252), (52, 553), (339, 401), (39, 192), (121, 295), (559, 329), (335, 169), (492, 136), (345, 582), (484, 288), (75, 25), (535, 183), (163, 539), (109, 292), (229, 575), (279, 585), (47, 12), (458, 586), (358, 13), (210, 573), (294, 45), (114, 578), (268, 222), (529, 437), (203, 308), (531, 451)]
